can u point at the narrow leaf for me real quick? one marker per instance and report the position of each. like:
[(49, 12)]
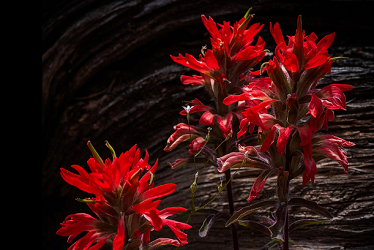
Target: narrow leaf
[(249, 209), (95, 154), (255, 225), (311, 205), (304, 222), (208, 222), (111, 149)]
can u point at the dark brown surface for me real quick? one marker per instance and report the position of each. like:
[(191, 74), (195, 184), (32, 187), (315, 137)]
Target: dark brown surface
[(107, 75)]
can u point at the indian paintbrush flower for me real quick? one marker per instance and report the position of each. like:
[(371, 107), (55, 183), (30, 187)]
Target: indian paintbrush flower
[(287, 107), (294, 73), (124, 203)]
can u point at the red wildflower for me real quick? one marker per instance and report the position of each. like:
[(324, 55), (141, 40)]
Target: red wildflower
[(230, 56), (302, 52), (124, 203), (232, 43), (294, 73), (248, 157), (182, 133), (207, 118)]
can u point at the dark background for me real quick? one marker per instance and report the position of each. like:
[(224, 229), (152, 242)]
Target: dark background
[(107, 75)]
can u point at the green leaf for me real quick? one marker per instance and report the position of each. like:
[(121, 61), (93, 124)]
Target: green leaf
[(304, 222), (111, 149), (208, 222), (255, 225), (247, 17), (311, 205), (95, 154), (249, 209), (338, 58), (268, 245)]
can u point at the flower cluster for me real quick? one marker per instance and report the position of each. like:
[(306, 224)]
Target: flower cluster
[(224, 69), (124, 203), (287, 108), (299, 109)]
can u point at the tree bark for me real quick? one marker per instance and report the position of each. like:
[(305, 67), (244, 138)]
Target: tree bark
[(107, 75)]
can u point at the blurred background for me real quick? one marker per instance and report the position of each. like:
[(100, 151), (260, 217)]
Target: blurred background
[(107, 75)]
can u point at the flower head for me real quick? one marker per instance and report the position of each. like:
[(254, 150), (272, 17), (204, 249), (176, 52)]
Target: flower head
[(231, 55), (124, 202), (298, 109)]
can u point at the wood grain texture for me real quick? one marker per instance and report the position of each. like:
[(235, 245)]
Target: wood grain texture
[(107, 75)]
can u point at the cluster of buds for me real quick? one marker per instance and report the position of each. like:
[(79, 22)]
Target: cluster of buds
[(124, 203)]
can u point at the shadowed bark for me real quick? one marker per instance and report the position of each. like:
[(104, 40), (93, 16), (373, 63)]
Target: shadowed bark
[(107, 75)]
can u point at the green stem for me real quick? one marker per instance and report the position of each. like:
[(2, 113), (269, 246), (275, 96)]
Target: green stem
[(215, 197)]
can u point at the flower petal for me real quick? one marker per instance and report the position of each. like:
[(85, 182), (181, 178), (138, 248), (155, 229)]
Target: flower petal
[(258, 185), (315, 61), (211, 26), (283, 139), (305, 134), (269, 139), (159, 191), (277, 33), (119, 239), (210, 60), (193, 80), (153, 217), (145, 206), (325, 42), (315, 106)]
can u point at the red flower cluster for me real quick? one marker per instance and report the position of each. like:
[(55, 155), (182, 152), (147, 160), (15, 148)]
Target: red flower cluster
[(124, 203), (231, 54), (222, 71), (299, 109)]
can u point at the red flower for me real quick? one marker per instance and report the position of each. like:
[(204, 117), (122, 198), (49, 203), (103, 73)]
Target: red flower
[(302, 52), (329, 146), (230, 56), (182, 133), (75, 224), (207, 65), (248, 157), (232, 43), (124, 203), (207, 118)]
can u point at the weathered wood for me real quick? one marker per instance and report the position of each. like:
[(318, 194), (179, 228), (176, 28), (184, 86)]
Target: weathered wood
[(107, 75)]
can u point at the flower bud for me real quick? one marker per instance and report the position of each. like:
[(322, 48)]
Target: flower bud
[(228, 137), (220, 187), (193, 186), (245, 157)]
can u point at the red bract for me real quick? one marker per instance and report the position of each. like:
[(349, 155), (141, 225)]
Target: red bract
[(231, 55), (295, 102), (248, 157), (182, 133), (124, 204), (302, 52)]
